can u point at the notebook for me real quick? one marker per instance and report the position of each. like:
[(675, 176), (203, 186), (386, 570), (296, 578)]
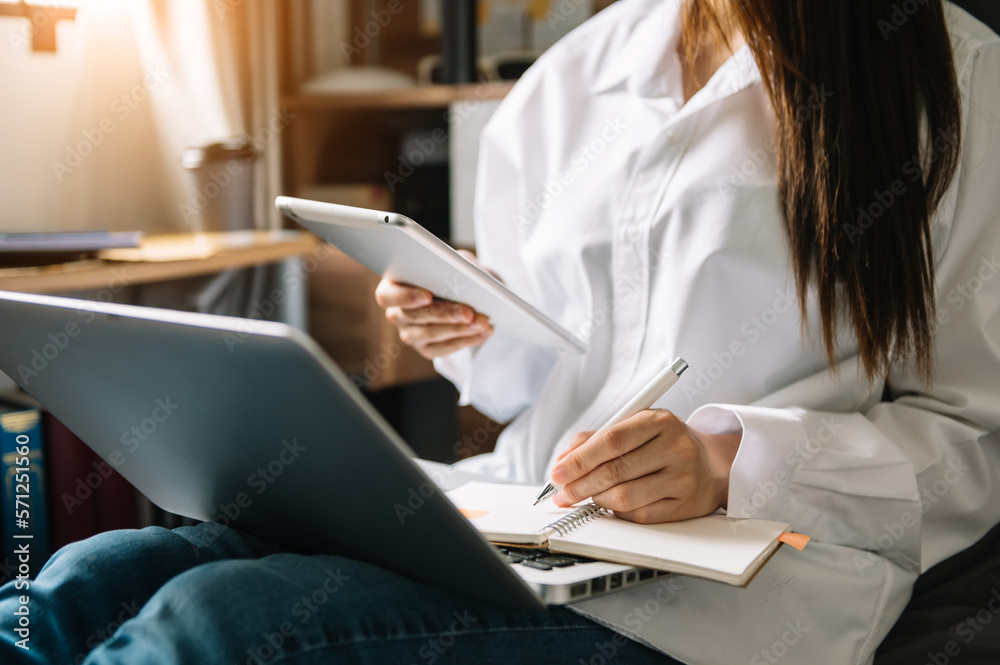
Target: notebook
[(716, 547)]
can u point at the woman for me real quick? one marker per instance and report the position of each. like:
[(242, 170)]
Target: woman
[(820, 247), (818, 242)]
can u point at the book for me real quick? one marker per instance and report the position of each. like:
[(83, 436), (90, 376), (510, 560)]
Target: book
[(83, 494), (68, 241), (35, 250), (716, 547), (503, 26), (116, 499), (87, 495), (74, 514), (24, 506)]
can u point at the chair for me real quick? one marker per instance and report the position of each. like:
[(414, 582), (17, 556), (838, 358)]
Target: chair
[(954, 602)]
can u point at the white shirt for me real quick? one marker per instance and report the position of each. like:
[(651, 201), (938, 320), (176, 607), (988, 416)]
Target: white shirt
[(652, 228)]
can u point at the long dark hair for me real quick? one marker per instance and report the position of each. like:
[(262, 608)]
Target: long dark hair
[(860, 177)]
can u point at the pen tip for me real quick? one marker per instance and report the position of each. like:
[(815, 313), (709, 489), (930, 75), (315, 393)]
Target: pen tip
[(544, 494)]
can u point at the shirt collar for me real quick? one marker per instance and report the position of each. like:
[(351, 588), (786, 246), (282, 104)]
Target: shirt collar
[(648, 66)]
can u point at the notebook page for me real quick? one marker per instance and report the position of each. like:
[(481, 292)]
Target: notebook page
[(715, 546), (503, 513)]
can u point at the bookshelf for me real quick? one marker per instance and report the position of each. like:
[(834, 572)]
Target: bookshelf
[(422, 97), (353, 139), (348, 139)]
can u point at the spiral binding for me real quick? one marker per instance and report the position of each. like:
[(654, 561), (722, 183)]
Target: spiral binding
[(578, 517)]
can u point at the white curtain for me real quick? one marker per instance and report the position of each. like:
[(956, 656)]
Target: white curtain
[(153, 77), (204, 96), (107, 163)]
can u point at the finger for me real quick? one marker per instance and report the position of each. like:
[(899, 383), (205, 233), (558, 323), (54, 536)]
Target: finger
[(434, 333), (431, 351), (578, 440), (394, 294), (439, 311), (614, 474), (665, 510), (604, 446), (633, 495)]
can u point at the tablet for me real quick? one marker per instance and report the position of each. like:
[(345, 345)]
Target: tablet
[(399, 249)]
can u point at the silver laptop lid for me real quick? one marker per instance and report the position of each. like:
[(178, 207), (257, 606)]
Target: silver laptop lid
[(249, 423)]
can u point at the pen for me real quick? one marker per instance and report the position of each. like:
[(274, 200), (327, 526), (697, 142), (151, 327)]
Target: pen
[(653, 391)]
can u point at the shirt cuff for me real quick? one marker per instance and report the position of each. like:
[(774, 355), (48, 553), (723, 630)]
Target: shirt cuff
[(764, 464), (457, 368), (501, 377)]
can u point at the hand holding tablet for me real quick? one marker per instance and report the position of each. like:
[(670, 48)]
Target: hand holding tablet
[(433, 327), (405, 254)]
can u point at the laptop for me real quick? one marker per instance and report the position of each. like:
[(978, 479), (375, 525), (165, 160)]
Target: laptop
[(251, 424)]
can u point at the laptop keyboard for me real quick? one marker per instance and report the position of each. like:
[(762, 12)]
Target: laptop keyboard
[(540, 559)]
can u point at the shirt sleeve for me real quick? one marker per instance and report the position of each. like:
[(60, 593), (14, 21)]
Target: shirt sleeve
[(503, 376), (915, 477)]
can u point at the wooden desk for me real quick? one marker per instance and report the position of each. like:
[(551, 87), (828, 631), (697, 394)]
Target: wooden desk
[(341, 307), (162, 258)]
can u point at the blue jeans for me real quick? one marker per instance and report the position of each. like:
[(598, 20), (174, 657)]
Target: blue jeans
[(209, 594)]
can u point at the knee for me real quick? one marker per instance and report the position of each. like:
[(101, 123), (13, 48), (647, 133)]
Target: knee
[(207, 585), (215, 598), (109, 550), (280, 582), (238, 602), (124, 549)]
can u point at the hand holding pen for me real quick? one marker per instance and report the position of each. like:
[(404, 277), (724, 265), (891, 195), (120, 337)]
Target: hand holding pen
[(648, 465)]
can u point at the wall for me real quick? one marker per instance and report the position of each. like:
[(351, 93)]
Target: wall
[(29, 113), (78, 145)]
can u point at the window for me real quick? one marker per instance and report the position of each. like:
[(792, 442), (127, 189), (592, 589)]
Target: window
[(40, 21)]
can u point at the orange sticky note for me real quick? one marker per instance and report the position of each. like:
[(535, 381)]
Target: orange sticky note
[(796, 540), (473, 514)]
